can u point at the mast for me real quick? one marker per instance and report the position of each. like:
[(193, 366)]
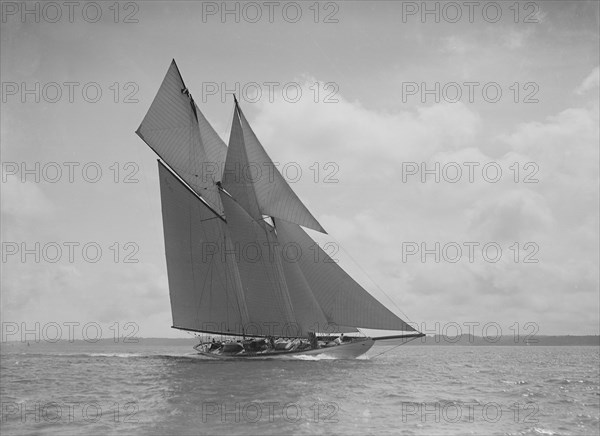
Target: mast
[(274, 195), (213, 213), (205, 289), (265, 288)]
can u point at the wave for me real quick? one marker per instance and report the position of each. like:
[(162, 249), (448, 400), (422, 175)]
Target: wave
[(121, 355), (317, 357)]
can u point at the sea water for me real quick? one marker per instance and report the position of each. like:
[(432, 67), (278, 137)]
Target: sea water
[(420, 390)]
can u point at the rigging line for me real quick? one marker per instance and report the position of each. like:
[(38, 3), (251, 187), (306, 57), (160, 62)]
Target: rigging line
[(230, 276), (210, 274), (269, 272), (264, 218), (273, 276), (393, 348), (277, 262), (208, 219), (192, 263), (271, 235), (199, 304), (376, 285)]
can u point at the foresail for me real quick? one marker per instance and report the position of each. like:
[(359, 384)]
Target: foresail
[(177, 131), (274, 196), (285, 285), (229, 270), (342, 300), (306, 307), (205, 292), (269, 307)]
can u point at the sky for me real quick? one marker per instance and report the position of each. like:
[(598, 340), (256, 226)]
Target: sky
[(363, 103)]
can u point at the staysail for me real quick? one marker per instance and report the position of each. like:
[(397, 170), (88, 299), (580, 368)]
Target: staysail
[(230, 270)]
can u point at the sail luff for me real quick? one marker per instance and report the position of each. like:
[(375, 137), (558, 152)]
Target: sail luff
[(274, 195)]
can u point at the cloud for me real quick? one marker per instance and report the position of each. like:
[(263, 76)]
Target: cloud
[(551, 222), (371, 210), (457, 45), (514, 39), (336, 129), (590, 82)]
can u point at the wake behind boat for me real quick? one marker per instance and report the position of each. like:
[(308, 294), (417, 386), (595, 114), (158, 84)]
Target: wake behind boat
[(228, 233)]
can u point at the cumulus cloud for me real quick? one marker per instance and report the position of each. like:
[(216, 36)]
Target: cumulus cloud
[(352, 156), (373, 209), (543, 209)]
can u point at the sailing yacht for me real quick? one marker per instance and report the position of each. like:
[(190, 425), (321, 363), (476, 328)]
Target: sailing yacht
[(228, 232)]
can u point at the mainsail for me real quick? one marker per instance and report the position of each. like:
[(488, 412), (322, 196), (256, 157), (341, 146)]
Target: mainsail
[(206, 293), (228, 236)]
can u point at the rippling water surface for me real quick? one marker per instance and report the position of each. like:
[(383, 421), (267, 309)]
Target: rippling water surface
[(418, 390)]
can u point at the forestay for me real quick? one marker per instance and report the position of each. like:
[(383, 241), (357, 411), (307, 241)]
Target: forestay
[(342, 300)]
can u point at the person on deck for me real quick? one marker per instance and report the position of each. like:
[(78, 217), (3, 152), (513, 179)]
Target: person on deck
[(312, 337)]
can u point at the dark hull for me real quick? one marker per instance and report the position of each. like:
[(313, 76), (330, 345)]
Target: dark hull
[(351, 350)]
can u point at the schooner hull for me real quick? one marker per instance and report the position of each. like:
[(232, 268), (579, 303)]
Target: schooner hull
[(339, 352), (227, 234)]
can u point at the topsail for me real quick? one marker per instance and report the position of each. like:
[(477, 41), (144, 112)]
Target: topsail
[(177, 131), (228, 230), (248, 167)]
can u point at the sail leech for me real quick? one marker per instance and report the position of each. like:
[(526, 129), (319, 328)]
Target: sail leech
[(228, 269)]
